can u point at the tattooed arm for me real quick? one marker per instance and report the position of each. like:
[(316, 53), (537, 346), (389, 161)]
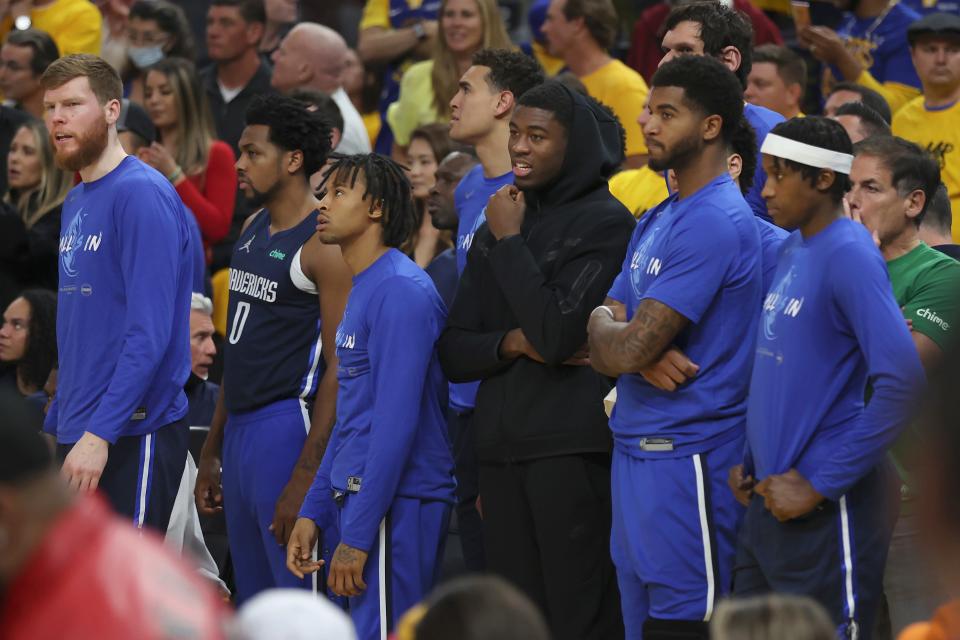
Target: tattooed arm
[(627, 347)]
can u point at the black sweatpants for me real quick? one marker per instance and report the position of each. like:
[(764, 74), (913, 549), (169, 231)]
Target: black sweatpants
[(546, 526), (143, 473)]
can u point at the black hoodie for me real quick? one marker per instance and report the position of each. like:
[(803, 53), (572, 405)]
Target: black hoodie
[(546, 281)]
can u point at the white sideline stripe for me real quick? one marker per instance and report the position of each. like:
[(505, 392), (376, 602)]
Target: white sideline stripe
[(144, 477), (705, 533), (848, 563), (382, 575)]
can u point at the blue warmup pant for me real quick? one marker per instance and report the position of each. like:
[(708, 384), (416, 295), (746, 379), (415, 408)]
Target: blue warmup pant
[(142, 476), (835, 554), (260, 450), (674, 534), (402, 566)]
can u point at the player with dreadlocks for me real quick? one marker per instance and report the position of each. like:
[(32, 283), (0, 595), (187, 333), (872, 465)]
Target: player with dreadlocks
[(386, 480)]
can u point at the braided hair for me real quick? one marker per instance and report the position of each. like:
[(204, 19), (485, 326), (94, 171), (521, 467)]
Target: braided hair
[(385, 184)]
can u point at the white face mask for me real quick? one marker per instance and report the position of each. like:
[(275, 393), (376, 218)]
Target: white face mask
[(143, 57)]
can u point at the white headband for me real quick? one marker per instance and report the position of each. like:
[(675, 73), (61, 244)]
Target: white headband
[(788, 149)]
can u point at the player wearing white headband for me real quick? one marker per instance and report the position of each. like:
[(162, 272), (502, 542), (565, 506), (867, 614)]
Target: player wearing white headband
[(815, 480)]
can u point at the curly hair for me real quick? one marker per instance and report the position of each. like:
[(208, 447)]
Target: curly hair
[(708, 86), (41, 352), (720, 27), (511, 71), (744, 144), (385, 184), (293, 128)]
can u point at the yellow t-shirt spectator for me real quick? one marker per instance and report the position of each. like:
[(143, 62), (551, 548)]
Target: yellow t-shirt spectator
[(414, 107), (623, 90), (376, 13), (372, 123), (938, 131), (552, 65), (639, 189), (75, 25)]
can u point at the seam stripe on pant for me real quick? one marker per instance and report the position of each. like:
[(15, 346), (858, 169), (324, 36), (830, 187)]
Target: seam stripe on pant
[(705, 534)]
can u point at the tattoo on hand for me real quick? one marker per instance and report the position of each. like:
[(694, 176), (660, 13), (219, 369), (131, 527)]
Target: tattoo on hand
[(346, 555)]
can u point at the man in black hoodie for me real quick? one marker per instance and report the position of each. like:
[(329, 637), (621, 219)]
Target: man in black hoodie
[(550, 248)]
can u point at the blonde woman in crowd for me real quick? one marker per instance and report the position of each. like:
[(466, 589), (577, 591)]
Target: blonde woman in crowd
[(31, 224), (187, 153), (466, 26)]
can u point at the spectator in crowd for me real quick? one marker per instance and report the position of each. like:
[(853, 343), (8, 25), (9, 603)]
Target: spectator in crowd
[(393, 35), (860, 121), (869, 48), (113, 47), (10, 121), (784, 617), (238, 73), (67, 560), (24, 57), (186, 151), (292, 615), (481, 112), (937, 513), (893, 182), (844, 92), (582, 32), (281, 16), (28, 341), (156, 29), (75, 25), (691, 277), (538, 47), (478, 608), (428, 145), (363, 87), (31, 227), (713, 30), (201, 393), (777, 80), (311, 57), (814, 477), (936, 224), (933, 119), (442, 209), (518, 324), (645, 43), (466, 26)]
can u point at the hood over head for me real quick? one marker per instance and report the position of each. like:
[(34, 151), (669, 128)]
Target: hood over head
[(595, 150)]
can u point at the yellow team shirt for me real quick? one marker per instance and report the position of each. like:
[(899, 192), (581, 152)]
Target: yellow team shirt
[(639, 189), (75, 25), (376, 13), (414, 107), (623, 90), (937, 131), (372, 123), (552, 65)]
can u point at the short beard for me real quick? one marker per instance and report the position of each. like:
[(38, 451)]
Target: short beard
[(680, 155), (260, 198), (90, 146)]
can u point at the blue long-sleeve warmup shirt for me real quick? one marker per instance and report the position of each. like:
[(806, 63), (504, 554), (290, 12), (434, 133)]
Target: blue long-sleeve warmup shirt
[(123, 309), (829, 325), (390, 438)]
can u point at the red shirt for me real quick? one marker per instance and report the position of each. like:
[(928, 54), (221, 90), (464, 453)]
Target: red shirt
[(94, 576), (211, 195), (645, 52)]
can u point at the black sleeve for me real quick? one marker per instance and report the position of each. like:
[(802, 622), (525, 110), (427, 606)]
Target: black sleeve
[(553, 314), (467, 351)]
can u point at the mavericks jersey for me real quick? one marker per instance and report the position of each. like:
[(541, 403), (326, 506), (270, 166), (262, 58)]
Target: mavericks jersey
[(272, 351)]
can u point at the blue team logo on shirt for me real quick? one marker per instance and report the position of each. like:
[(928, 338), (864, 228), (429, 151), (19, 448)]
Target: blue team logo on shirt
[(639, 266), (466, 240), (776, 302), (70, 244)]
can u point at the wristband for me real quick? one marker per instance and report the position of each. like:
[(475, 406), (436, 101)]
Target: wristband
[(607, 309), (176, 175)]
